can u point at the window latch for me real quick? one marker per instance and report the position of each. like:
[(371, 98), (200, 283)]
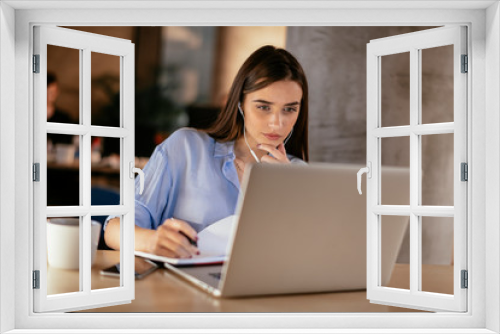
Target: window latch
[(368, 171), (139, 171)]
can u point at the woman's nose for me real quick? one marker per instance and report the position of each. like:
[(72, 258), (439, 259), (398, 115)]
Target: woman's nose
[(275, 120)]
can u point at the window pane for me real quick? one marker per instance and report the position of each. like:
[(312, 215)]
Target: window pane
[(63, 85), (106, 260), (437, 84), (105, 90), (395, 94), (63, 170), (63, 255), (394, 275), (395, 152), (437, 254), (105, 167), (437, 170)]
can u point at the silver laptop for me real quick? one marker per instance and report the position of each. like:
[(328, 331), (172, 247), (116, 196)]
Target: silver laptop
[(302, 229)]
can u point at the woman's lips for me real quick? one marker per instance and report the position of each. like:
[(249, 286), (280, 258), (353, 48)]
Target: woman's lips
[(272, 136)]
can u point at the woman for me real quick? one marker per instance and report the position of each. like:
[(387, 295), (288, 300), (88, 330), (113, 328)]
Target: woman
[(193, 177)]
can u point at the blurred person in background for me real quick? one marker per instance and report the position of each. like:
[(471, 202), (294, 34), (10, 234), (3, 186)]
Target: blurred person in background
[(55, 114)]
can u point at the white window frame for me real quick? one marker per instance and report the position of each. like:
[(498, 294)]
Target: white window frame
[(483, 20), (414, 44), (85, 44)]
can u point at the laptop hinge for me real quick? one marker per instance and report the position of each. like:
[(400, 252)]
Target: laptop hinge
[(465, 279), (36, 279)]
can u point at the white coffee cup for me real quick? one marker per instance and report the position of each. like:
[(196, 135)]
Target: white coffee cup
[(63, 242)]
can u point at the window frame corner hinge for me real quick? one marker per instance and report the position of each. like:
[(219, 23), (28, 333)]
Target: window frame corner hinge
[(464, 279), (36, 279), (464, 171), (36, 63), (36, 172), (464, 64)]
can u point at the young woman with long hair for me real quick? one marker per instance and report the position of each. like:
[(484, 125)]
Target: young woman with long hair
[(193, 177)]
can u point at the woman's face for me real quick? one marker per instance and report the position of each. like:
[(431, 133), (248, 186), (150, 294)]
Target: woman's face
[(271, 112)]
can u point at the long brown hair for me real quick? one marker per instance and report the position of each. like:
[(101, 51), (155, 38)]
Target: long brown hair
[(265, 66)]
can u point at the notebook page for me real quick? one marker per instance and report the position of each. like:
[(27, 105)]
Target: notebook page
[(213, 242)]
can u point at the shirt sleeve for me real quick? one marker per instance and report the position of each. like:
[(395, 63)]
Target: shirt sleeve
[(157, 183)]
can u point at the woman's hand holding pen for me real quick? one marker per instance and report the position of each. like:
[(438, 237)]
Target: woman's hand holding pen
[(278, 154), (174, 238)]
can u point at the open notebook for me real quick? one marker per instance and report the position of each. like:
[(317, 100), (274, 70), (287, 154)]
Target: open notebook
[(213, 244)]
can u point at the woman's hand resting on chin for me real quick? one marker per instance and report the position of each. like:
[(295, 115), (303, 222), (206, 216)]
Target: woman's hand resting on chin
[(278, 154)]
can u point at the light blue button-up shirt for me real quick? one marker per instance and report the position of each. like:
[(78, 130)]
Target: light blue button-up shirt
[(192, 177)]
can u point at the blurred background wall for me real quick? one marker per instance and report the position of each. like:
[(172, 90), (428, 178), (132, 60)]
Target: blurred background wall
[(334, 59), (235, 44), (184, 73)]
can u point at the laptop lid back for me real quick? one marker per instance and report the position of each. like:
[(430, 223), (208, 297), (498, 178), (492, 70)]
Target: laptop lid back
[(303, 229)]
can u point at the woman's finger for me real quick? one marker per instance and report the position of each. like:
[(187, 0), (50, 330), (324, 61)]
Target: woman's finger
[(162, 251), (181, 239), (281, 148), (279, 155), (182, 226), (169, 240), (157, 245), (269, 159), (271, 149)]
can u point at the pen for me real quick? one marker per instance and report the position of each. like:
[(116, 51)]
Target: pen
[(191, 241)]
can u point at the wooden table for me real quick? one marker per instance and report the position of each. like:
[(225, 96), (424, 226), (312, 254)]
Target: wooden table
[(163, 291)]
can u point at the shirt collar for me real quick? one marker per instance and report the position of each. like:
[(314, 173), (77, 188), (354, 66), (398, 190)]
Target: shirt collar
[(223, 149)]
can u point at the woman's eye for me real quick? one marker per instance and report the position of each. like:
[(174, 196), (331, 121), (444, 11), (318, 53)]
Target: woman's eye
[(263, 107), (290, 109)]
